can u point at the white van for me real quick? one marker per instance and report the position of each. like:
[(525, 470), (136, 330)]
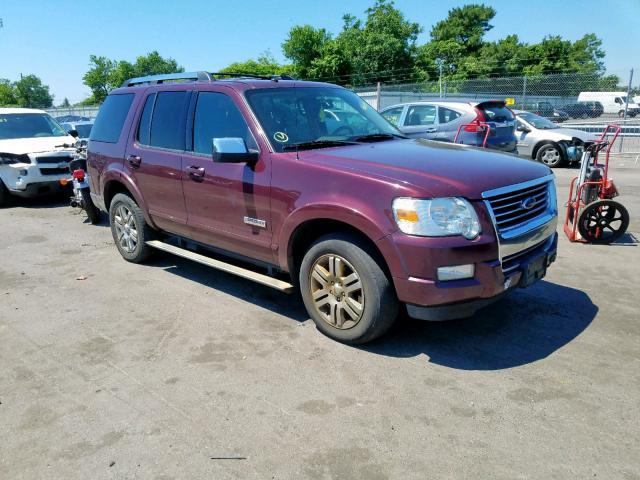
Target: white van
[(33, 155), (612, 102)]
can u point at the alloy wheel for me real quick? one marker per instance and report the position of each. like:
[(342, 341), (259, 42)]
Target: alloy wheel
[(551, 156), (337, 291), (126, 229)]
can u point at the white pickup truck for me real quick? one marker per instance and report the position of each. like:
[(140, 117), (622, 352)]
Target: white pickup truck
[(32, 158)]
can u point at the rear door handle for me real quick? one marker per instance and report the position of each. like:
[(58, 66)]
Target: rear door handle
[(431, 130), (134, 160), (196, 173)]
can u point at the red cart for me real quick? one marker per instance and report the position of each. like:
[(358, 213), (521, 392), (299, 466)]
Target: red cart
[(592, 215)]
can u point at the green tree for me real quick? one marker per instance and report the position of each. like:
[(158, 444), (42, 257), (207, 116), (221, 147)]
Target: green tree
[(303, 46), (265, 64), (7, 93), (465, 25), (30, 92), (105, 74), (65, 103)]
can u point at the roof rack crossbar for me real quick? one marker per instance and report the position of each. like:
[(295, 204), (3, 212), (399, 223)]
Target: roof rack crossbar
[(154, 79), (197, 77)]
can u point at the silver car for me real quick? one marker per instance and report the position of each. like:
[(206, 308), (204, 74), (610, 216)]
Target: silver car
[(541, 139), (441, 120)]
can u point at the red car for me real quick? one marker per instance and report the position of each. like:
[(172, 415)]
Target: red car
[(310, 186)]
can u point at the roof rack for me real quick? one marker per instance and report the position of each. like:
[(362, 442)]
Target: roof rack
[(197, 77)]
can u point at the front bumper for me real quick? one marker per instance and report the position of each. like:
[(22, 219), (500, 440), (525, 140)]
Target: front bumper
[(40, 188), (492, 281)]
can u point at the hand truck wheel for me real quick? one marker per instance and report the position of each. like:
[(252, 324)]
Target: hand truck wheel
[(603, 221)]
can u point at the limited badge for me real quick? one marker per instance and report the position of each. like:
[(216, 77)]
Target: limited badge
[(281, 137)]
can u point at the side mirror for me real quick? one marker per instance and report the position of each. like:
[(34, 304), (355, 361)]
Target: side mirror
[(522, 128), (74, 133), (232, 150)]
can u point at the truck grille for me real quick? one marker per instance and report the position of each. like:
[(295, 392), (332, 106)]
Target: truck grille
[(54, 159), (517, 207)]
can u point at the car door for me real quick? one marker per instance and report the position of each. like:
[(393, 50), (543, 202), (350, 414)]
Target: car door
[(421, 121), (523, 135), (154, 157), (228, 204)]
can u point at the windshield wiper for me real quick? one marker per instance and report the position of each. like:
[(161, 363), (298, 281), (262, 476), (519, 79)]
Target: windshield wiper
[(377, 137), (317, 144)]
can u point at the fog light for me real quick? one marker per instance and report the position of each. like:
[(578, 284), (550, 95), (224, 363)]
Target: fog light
[(456, 272), (23, 172)]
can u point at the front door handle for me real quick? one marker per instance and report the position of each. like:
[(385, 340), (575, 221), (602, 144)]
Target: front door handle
[(134, 160), (431, 130), (196, 173)]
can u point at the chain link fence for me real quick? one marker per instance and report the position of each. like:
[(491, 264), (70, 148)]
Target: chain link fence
[(86, 112), (552, 96)]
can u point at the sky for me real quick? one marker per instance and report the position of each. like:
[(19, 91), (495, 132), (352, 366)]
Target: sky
[(53, 39)]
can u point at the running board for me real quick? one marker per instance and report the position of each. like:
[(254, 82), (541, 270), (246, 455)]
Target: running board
[(225, 267)]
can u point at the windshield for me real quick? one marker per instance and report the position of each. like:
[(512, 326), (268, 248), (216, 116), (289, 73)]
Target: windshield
[(329, 116), (537, 121), (29, 125), (84, 130)]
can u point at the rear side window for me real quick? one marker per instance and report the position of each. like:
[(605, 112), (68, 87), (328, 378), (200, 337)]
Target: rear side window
[(111, 117), (144, 129), (446, 115), (217, 116), (166, 130), (420, 115), (495, 113)]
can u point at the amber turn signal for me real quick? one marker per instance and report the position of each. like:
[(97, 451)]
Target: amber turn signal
[(407, 215)]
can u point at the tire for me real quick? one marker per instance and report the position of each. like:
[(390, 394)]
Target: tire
[(92, 211), (551, 155), (4, 194), (125, 212), (621, 113), (603, 222), (335, 310)]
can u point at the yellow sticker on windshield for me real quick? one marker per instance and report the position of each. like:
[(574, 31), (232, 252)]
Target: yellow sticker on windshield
[(281, 137)]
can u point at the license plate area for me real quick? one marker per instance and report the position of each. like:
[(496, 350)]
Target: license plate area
[(533, 270)]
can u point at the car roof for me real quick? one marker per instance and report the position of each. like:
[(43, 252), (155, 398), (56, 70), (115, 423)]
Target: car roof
[(20, 110), (438, 103), (239, 83)]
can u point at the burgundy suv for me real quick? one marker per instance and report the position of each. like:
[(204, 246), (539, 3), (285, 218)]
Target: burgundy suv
[(311, 186)]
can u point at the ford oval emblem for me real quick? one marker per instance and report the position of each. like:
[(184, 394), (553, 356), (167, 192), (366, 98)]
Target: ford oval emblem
[(528, 203)]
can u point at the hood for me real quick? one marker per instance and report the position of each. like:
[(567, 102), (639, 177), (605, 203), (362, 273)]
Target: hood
[(437, 168), (20, 146), (567, 134)]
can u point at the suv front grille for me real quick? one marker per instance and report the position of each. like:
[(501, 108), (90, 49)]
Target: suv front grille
[(54, 171), (517, 207)]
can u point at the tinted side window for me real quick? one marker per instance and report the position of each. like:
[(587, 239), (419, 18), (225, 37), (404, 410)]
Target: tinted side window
[(217, 116), (393, 115), (420, 115), (144, 128), (111, 117), (446, 115), (166, 131)]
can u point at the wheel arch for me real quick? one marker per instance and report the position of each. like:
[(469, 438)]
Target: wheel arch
[(120, 185), (542, 143)]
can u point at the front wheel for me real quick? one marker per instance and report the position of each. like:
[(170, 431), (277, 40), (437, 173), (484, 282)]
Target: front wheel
[(345, 290), (129, 229), (550, 155), (92, 211)]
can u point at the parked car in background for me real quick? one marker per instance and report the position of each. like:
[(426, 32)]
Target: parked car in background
[(440, 121), (584, 109), (546, 110), (72, 118), (366, 222), (612, 102), (541, 139), (82, 127), (32, 156)]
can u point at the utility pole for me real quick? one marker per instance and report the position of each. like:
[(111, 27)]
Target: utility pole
[(626, 107), (439, 63)]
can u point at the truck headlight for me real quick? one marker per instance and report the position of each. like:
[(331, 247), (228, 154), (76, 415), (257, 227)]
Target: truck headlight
[(437, 217)]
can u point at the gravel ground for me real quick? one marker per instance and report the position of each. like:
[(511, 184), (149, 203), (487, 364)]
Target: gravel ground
[(171, 370)]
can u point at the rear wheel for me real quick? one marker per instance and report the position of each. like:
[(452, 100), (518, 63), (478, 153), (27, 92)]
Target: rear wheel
[(550, 155), (345, 291), (129, 229), (603, 221)]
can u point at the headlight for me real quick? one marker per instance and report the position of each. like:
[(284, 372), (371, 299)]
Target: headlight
[(438, 217)]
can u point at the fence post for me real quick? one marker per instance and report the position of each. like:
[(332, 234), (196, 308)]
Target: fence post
[(378, 99), (524, 92), (445, 89), (626, 107)]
